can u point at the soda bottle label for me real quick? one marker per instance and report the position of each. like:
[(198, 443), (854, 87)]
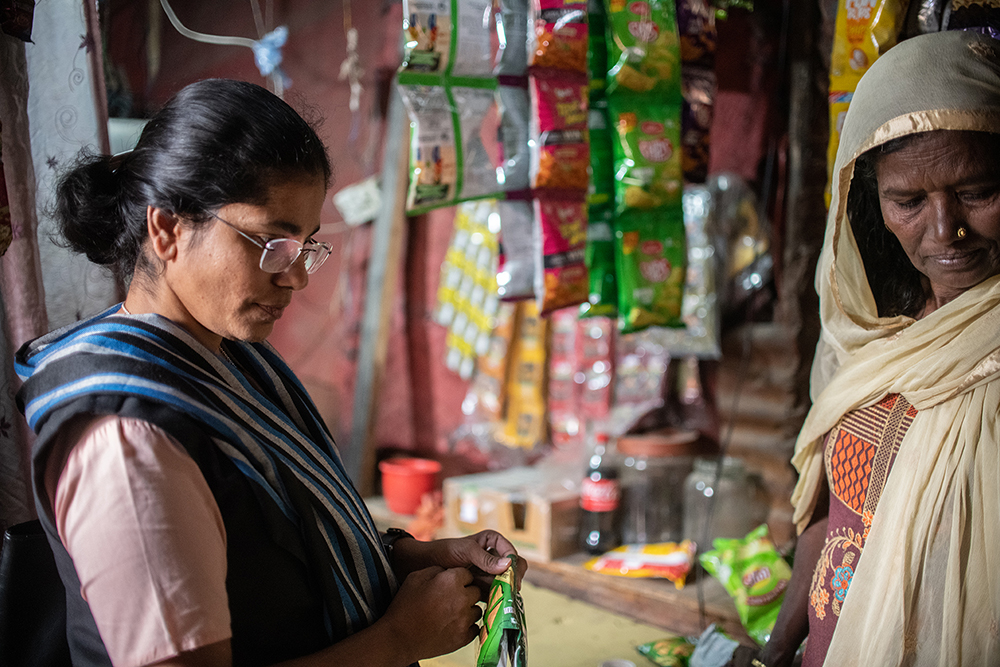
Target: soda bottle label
[(599, 495)]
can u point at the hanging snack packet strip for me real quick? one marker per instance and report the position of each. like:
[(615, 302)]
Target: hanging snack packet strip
[(600, 256), (560, 145), (650, 260), (558, 39), (863, 31), (503, 639), (524, 425), (447, 37), (755, 575), (448, 159), (644, 50), (647, 156), (560, 270)]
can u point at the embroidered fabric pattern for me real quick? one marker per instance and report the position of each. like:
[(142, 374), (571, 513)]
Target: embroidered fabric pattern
[(859, 454)]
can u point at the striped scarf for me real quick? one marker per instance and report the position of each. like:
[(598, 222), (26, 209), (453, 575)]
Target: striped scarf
[(259, 416)]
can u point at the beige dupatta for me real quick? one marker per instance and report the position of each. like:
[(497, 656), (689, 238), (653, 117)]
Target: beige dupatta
[(927, 588)]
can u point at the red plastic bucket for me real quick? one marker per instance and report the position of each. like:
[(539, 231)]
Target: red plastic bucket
[(406, 480)]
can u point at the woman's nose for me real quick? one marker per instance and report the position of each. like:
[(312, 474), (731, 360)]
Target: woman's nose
[(294, 276), (948, 217)]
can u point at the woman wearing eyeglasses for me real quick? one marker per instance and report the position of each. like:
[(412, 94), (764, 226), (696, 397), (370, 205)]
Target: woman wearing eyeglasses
[(194, 499)]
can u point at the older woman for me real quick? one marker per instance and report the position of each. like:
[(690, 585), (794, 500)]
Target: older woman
[(193, 497), (898, 501)]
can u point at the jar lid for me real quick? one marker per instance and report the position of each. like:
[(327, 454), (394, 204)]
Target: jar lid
[(661, 443)]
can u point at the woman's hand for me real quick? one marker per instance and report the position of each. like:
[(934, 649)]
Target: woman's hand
[(483, 554), (434, 612)]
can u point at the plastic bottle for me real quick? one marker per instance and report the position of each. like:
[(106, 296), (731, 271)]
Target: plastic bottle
[(600, 495)]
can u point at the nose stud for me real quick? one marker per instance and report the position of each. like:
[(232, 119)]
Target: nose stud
[(961, 232)]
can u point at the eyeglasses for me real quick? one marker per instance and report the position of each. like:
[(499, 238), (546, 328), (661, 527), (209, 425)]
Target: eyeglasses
[(278, 255)]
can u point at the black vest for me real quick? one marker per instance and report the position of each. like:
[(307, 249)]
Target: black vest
[(274, 601)]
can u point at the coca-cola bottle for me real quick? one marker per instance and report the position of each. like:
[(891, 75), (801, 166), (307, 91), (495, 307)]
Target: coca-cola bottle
[(599, 496)]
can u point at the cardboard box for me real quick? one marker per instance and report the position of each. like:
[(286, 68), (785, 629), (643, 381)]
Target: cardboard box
[(540, 516)]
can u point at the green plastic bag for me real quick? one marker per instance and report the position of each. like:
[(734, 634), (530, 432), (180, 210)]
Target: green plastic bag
[(503, 639), (755, 575)]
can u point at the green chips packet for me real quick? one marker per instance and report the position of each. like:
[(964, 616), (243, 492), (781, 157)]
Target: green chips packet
[(755, 575), (644, 49), (648, 156), (650, 261), (503, 639), (668, 652)]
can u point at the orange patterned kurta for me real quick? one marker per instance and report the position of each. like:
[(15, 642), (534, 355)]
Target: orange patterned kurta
[(859, 453)]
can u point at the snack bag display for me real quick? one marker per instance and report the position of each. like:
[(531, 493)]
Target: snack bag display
[(644, 48), (647, 155), (516, 266), (668, 652), (560, 152), (439, 42), (701, 335), (665, 560), (650, 258), (558, 35), (448, 159), (560, 269), (503, 638), (515, 163), (755, 575), (524, 426), (863, 31), (467, 291), (512, 34)]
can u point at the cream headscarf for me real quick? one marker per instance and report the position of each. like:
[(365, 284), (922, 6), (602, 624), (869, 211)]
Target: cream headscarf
[(927, 588)]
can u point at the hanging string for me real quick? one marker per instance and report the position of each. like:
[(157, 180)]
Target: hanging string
[(266, 50), (351, 70)]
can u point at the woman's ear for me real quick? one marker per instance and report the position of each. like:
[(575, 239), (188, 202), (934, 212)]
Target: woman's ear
[(163, 227)]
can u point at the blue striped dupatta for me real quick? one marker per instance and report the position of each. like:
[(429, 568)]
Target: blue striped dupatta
[(259, 416)]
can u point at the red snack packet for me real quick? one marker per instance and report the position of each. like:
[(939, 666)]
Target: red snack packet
[(559, 37), (561, 278), (560, 148)]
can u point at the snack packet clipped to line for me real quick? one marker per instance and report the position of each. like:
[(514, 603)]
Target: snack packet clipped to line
[(503, 638), (665, 560), (512, 34), (863, 31), (644, 49), (560, 269), (516, 267), (448, 159), (560, 148), (650, 259), (524, 425), (755, 575), (647, 155), (667, 652), (439, 42), (558, 36)]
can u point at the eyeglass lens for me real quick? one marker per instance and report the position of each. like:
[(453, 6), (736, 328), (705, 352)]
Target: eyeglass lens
[(280, 254)]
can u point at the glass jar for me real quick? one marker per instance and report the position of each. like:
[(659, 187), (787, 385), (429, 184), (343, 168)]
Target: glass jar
[(735, 499), (652, 472)]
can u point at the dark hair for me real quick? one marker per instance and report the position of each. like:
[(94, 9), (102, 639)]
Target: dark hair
[(896, 284), (216, 142)]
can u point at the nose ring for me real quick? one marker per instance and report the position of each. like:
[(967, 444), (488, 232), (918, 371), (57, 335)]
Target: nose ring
[(961, 232)]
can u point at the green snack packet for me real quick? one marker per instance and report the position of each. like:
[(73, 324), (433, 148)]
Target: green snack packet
[(648, 156), (644, 49), (668, 652), (503, 641), (755, 575), (600, 258), (650, 259)]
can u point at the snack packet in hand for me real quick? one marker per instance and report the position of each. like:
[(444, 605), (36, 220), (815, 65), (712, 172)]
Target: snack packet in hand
[(503, 641)]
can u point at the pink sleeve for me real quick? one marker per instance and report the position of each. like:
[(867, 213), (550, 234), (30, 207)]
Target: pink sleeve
[(147, 540)]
